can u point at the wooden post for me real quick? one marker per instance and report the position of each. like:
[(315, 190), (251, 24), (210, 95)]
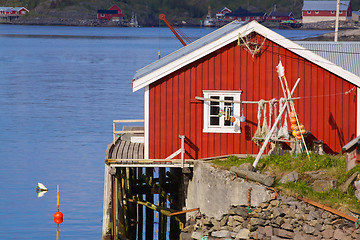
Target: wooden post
[(140, 208), (162, 203), (337, 21), (114, 208), (107, 201), (149, 213)]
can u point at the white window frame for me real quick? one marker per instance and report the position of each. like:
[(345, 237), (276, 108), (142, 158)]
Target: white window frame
[(236, 112)]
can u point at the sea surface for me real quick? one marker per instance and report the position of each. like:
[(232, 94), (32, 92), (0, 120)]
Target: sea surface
[(60, 89)]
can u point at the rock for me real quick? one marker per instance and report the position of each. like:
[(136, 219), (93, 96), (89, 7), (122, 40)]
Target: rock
[(276, 238), (357, 184), (243, 234), (221, 234), (246, 166), (308, 229), (257, 221), (186, 236), (347, 183), (197, 235), (268, 231), (283, 233), (290, 177), (339, 234), (324, 185), (328, 233), (287, 226), (224, 220), (278, 212), (357, 194), (216, 224)]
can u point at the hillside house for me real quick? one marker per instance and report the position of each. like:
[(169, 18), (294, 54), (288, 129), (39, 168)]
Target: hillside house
[(244, 15), (112, 14), (318, 11), (279, 16), (356, 16), (12, 12), (221, 13), (217, 67)]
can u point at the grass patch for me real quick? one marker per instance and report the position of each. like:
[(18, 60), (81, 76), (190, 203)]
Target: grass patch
[(334, 165)]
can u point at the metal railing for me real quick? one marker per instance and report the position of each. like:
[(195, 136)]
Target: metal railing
[(125, 131)]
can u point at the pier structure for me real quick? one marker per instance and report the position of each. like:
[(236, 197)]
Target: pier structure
[(143, 198)]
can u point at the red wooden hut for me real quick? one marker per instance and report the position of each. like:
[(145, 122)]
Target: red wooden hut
[(114, 13), (238, 62)]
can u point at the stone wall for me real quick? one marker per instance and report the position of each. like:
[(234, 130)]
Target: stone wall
[(273, 219)]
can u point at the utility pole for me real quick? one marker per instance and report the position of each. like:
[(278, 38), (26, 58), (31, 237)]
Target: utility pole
[(337, 20)]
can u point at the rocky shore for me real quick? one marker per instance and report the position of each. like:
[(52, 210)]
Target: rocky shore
[(283, 218), (231, 207)]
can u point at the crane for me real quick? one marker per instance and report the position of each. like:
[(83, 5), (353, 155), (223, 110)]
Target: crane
[(176, 31)]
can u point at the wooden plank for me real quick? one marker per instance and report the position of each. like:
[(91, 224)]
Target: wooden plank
[(106, 202)]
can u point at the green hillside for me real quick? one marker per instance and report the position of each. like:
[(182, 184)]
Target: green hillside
[(147, 11)]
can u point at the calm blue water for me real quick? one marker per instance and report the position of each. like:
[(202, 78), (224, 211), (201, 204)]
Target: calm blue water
[(60, 89)]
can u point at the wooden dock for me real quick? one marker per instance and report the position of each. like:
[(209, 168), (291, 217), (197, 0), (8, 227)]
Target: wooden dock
[(135, 188)]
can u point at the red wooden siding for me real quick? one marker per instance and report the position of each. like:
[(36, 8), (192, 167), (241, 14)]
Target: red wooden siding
[(325, 111)]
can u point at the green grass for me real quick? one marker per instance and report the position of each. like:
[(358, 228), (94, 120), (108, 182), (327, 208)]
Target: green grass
[(279, 165)]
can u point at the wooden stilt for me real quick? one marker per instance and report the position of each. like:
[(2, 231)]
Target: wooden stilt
[(140, 208), (132, 207), (121, 208), (149, 213), (162, 203), (114, 209)]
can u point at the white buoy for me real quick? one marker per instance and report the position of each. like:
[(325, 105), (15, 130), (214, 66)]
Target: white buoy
[(41, 187)]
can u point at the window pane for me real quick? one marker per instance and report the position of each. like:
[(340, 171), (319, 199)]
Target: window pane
[(214, 103), (214, 121), (214, 110), (231, 107)]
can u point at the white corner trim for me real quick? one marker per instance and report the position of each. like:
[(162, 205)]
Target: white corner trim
[(146, 122), (357, 112), (233, 36)]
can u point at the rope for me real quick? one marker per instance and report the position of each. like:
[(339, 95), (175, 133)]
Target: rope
[(283, 131), (272, 104), (258, 129), (265, 128)]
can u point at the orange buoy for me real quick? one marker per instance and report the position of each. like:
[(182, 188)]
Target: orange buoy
[(298, 133), (293, 126), (58, 217), (293, 120), (303, 131), (301, 126), (298, 137), (293, 114), (232, 119)]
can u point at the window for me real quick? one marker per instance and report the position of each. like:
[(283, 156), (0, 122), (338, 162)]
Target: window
[(317, 12), (222, 116), (332, 12), (340, 12), (308, 12)]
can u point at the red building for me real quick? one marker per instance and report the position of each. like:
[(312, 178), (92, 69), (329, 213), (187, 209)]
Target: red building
[(317, 11), (244, 15), (13, 12), (114, 14), (238, 62), (280, 16)]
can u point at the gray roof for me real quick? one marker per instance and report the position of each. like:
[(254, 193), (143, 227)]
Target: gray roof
[(188, 49), (343, 54), (324, 5)]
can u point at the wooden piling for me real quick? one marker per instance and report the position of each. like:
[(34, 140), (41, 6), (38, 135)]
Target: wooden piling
[(149, 227), (162, 203)]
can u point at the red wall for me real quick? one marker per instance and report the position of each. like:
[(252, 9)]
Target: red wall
[(174, 111)]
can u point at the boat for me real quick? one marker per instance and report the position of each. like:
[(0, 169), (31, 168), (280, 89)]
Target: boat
[(209, 21), (290, 24), (133, 21)]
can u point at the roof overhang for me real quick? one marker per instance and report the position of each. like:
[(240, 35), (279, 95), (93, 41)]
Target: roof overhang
[(168, 67)]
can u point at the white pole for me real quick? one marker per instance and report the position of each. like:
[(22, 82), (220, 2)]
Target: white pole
[(337, 20)]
